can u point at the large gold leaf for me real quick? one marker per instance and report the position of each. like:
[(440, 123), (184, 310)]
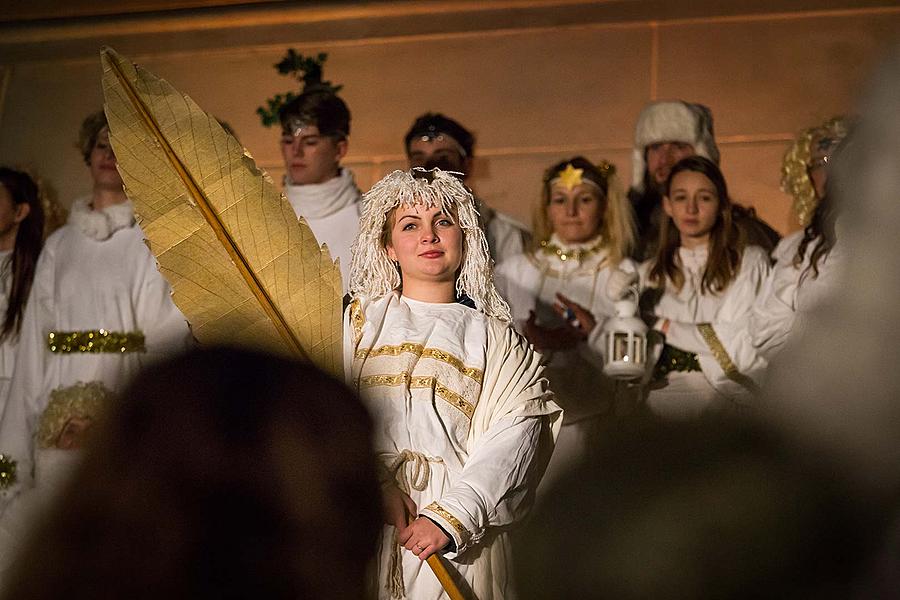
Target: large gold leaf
[(243, 269)]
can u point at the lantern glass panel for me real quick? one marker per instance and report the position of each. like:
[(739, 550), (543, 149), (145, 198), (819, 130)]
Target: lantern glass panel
[(621, 351)]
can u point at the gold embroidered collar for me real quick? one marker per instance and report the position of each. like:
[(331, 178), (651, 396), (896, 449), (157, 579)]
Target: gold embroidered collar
[(576, 253)]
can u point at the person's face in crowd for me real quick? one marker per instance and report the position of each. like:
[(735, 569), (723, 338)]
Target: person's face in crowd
[(103, 163), (693, 205), (441, 151), (427, 243), (74, 433), (662, 156), (310, 157), (575, 214), (11, 214), (818, 160)]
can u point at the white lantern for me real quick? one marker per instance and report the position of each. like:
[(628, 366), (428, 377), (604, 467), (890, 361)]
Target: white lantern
[(625, 340)]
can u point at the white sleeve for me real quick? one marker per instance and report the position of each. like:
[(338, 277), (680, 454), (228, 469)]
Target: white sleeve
[(518, 283), (165, 328), (19, 419), (728, 358), (773, 314), (512, 436)]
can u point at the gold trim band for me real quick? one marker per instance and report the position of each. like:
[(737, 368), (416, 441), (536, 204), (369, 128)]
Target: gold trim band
[(357, 318), (445, 514), (721, 355), (422, 382), (95, 341), (423, 352)]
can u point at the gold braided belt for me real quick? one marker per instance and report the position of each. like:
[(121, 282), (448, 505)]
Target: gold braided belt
[(95, 341)]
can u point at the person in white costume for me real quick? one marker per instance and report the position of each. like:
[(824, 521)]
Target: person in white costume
[(61, 433), (804, 176), (464, 422), (99, 309), (21, 239), (557, 293), (702, 278), (437, 141), (315, 127)]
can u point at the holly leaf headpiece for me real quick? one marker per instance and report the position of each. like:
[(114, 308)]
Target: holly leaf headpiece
[(307, 70)]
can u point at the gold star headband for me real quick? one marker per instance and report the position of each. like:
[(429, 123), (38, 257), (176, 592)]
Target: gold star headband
[(570, 178)]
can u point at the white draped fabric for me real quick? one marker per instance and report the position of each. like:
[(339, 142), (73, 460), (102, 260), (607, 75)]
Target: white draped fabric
[(463, 421), (331, 210), (85, 282)]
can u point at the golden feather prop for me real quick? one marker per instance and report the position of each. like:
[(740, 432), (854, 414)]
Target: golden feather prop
[(242, 268)]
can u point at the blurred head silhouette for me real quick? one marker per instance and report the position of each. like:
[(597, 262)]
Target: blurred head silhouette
[(223, 473), (712, 509)]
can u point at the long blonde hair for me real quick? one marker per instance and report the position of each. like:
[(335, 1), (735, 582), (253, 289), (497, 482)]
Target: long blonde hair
[(617, 223)]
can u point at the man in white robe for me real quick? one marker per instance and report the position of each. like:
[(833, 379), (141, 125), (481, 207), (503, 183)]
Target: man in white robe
[(315, 130)]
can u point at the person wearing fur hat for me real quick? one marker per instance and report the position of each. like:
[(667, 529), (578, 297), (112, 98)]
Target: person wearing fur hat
[(666, 132), (315, 131), (98, 310), (463, 418), (557, 292), (438, 141)]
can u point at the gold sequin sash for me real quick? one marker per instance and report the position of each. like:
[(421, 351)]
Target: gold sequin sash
[(95, 341)]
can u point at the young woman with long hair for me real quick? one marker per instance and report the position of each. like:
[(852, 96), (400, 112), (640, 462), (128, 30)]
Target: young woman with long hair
[(557, 293), (703, 276), (464, 422), (21, 239)]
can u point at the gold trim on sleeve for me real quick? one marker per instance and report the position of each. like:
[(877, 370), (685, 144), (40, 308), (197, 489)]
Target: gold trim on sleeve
[(357, 318), (95, 341), (423, 352), (443, 513), (422, 382), (721, 355)]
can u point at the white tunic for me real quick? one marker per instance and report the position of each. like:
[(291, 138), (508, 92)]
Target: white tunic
[(85, 284), (331, 210), (530, 282), (460, 396), (789, 294), (696, 317), (506, 237), (52, 470), (8, 347)]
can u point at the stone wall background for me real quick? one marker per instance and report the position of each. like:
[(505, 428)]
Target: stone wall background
[(536, 80)]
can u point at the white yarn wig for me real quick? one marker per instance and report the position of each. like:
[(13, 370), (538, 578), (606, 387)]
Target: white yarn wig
[(373, 274)]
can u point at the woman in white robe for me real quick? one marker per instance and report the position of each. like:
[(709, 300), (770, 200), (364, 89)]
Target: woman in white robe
[(99, 309), (21, 239), (464, 423), (702, 277), (558, 295)]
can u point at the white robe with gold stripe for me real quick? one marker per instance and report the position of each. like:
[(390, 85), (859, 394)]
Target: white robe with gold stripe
[(459, 396)]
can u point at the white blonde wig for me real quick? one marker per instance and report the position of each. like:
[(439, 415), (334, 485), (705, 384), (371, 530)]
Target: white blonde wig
[(373, 274)]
